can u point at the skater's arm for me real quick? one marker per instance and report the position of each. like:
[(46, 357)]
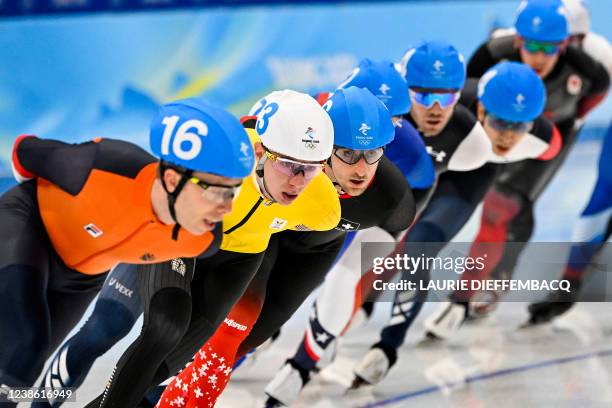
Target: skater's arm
[(68, 166)]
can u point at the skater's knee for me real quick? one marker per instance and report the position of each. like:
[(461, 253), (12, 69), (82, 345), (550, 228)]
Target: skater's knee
[(425, 231), (169, 316), (109, 323), (25, 358), (25, 331), (522, 226), (248, 308), (501, 205)]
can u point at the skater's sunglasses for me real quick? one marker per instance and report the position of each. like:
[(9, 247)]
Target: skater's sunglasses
[(217, 192), (502, 125), (429, 98), (350, 156), (292, 168), (548, 48)]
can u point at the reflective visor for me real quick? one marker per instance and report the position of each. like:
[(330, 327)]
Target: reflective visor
[(502, 125), (533, 47), (427, 99), (291, 168)]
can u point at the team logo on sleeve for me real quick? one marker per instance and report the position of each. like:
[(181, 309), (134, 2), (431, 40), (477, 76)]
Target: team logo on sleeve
[(278, 224), (178, 266), (346, 225), (93, 230), (439, 156)]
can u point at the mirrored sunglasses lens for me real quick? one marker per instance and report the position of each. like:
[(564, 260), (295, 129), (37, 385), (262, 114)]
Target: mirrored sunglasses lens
[(427, 99), (447, 99), (551, 49), (531, 47), (424, 99), (535, 47)]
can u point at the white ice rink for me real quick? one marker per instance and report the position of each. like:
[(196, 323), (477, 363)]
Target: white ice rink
[(490, 364)]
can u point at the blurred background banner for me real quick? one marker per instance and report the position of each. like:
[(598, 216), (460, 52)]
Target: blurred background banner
[(77, 76), (26, 7)]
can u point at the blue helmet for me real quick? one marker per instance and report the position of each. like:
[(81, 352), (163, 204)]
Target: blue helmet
[(513, 92), (542, 20), (434, 65), (201, 137), (384, 81), (361, 121)]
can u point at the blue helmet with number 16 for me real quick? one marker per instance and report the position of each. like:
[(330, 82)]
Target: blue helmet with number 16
[(199, 136)]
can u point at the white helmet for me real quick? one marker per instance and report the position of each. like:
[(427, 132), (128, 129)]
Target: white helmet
[(578, 17), (293, 124)]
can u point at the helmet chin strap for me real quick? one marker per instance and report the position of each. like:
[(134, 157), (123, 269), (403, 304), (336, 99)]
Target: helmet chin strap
[(334, 182), (172, 196), (259, 172)]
